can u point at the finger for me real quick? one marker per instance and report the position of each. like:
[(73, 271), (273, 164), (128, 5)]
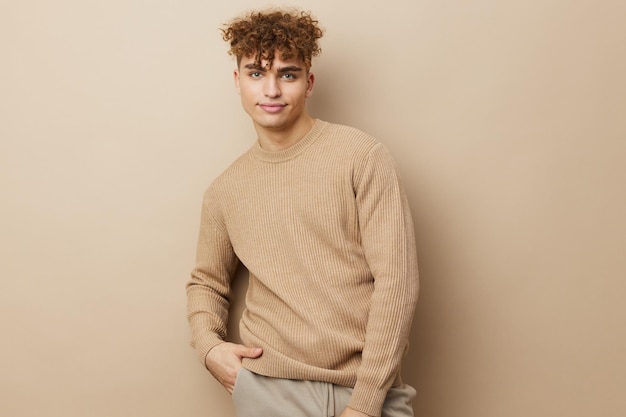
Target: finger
[(247, 352)]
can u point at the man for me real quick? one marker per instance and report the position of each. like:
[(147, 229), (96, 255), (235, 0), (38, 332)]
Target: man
[(317, 214)]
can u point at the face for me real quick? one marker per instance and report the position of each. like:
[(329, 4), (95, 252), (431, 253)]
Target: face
[(274, 97)]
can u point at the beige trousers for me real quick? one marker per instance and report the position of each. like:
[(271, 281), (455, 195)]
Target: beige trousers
[(260, 396)]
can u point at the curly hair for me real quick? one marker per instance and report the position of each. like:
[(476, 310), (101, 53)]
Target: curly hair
[(294, 34)]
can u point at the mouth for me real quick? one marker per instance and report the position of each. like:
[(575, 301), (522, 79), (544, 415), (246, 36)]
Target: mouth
[(272, 107)]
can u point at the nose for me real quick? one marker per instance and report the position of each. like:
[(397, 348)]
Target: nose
[(271, 87)]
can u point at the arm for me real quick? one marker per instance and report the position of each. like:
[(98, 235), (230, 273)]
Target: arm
[(208, 299), (388, 242), (208, 291)]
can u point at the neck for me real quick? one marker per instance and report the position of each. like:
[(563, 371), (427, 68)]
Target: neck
[(275, 140)]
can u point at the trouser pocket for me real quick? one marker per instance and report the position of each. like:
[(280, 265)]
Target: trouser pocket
[(237, 382)]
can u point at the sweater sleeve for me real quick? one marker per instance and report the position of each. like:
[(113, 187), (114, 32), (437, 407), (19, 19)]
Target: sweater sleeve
[(388, 242), (208, 290)]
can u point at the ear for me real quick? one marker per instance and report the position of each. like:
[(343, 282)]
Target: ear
[(236, 77), (309, 85)]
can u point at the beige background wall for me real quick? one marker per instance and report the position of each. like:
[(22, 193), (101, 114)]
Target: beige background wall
[(507, 122)]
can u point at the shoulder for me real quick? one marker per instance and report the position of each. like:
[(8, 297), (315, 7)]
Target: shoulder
[(238, 168), (227, 182), (350, 142), (349, 136), (355, 142)]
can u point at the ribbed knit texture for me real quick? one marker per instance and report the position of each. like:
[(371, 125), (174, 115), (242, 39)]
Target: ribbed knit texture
[(325, 232)]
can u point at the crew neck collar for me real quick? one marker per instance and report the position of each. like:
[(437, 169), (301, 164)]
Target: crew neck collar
[(292, 151)]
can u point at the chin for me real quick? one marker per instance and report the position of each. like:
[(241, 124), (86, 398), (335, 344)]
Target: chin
[(271, 124)]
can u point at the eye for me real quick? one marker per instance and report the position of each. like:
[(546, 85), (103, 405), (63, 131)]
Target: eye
[(289, 76), (255, 74)]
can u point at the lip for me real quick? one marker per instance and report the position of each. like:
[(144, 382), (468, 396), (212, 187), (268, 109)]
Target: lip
[(272, 107)]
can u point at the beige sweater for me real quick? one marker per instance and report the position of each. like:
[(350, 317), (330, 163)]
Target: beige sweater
[(325, 232)]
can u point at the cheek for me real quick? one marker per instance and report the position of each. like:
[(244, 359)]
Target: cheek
[(296, 93), (246, 95)]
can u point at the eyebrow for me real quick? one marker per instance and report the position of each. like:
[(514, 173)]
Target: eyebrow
[(292, 68)]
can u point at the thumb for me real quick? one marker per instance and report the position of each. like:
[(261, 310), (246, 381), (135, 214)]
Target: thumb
[(249, 352)]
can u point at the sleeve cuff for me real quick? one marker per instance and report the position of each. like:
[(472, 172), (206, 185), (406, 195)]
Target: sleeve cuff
[(368, 401), (204, 346)]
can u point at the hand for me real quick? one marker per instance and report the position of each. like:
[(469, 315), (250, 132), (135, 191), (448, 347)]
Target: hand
[(224, 361), (351, 412)]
